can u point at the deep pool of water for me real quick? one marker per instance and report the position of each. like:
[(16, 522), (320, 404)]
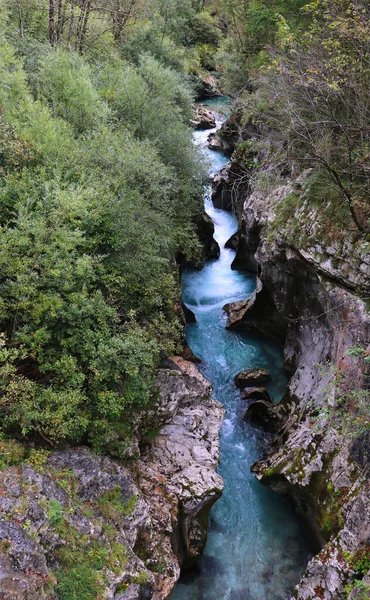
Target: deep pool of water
[(256, 549)]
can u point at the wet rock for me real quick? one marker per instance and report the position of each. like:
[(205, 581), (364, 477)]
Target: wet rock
[(252, 377), (188, 355), (228, 135), (257, 312), (204, 118), (246, 246), (265, 415), (223, 194), (214, 250), (204, 228), (217, 143), (233, 241), (256, 393), (237, 311), (166, 362), (189, 315)]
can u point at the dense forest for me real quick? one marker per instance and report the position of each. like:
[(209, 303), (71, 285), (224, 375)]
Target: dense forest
[(101, 185)]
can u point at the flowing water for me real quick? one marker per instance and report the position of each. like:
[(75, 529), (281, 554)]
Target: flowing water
[(256, 549)]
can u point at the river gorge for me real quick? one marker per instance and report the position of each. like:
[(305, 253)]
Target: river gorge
[(256, 548)]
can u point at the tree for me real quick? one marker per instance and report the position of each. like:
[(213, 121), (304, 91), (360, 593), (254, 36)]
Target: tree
[(318, 101)]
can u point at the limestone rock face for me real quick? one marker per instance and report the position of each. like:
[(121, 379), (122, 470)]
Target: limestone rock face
[(68, 505), (309, 297), (129, 526), (183, 458)]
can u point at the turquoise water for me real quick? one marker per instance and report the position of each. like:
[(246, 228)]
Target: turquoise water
[(256, 549), (221, 103)]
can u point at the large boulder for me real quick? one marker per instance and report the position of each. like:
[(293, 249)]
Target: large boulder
[(226, 138), (217, 143), (204, 118), (252, 377), (258, 312)]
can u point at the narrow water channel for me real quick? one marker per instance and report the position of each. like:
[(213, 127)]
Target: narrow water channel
[(256, 549)]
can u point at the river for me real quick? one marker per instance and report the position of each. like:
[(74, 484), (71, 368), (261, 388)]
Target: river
[(256, 549)]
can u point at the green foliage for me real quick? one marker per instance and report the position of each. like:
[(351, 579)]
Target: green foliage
[(11, 452), (203, 29), (252, 27), (37, 458), (65, 81), (359, 561), (97, 198), (113, 505), (349, 412), (360, 588), (142, 578), (82, 561), (80, 573), (55, 513)]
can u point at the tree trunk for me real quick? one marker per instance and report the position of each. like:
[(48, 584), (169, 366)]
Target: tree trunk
[(52, 22), (20, 17), (71, 21), (60, 25), (87, 10)]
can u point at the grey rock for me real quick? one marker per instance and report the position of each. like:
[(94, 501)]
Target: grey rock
[(184, 458), (25, 554), (252, 377)]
